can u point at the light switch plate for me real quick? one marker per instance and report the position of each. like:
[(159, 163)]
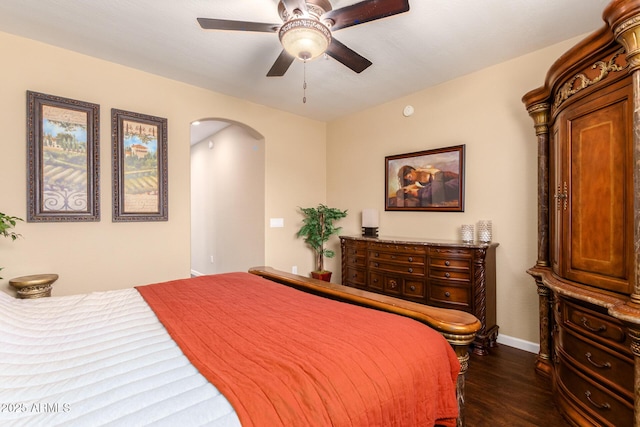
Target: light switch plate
[(276, 222)]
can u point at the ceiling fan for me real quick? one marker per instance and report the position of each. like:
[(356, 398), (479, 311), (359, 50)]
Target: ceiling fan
[(306, 31)]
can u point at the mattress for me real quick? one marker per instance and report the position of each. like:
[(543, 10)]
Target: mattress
[(98, 359)]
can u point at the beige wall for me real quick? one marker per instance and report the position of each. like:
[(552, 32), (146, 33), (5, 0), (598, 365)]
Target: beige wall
[(106, 255), (307, 162), (484, 111)]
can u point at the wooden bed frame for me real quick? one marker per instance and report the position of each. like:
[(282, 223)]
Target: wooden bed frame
[(458, 327)]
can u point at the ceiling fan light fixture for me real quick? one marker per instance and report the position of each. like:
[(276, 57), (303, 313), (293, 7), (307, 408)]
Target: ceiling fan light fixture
[(305, 38)]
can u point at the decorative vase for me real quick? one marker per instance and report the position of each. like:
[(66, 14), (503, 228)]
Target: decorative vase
[(466, 233), (321, 275), (484, 230)]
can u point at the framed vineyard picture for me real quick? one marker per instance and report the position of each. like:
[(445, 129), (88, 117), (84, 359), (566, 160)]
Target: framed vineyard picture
[(139, 167), (63, 164)]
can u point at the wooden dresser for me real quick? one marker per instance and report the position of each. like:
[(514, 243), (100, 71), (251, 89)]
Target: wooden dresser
[(437, 273), (587, 122)]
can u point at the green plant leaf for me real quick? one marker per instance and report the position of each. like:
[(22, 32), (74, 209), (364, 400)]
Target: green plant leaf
[(317, 227)]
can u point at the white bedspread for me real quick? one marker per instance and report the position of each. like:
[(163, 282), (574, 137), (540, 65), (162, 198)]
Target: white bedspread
[(98, 359)]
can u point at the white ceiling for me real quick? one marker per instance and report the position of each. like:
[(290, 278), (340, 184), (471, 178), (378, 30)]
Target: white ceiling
[(437, 40)]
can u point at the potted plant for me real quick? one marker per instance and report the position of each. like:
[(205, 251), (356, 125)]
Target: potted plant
[(317, 227), (7, 222)]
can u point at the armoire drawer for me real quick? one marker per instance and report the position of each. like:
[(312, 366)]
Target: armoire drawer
[(610, 408), (595, 325), (607, 366)]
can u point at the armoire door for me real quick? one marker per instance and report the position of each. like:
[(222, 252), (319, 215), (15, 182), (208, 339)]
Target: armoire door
[(592, 223)]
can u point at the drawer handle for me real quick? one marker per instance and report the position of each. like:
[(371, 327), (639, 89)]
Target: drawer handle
[(586, 324), (376, 264), (410, 270), (377, 255), (393, 257), (410, 259), (412, 287), (447, 275), (596, 364), (375, 280), (604, 405), (447, 263), (393, 284), (447, 294)]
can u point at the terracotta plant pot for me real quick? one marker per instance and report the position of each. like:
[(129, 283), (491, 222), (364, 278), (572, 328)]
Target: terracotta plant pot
[(322, 275)]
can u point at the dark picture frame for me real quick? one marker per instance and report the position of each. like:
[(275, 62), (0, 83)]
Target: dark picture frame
[(63, 159), (140, 178), (431, 180)]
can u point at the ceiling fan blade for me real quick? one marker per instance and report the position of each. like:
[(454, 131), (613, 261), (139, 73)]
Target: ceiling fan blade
[(281, 65), (223, 24), (348, 57), (292, 5), (365, 11)]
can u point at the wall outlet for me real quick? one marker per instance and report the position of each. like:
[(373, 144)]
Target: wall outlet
[(294, 269), (211, 259)]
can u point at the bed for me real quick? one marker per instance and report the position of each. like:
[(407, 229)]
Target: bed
[(234, 349)]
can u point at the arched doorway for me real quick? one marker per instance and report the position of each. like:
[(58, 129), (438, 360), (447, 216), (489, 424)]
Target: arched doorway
[(227, 197)]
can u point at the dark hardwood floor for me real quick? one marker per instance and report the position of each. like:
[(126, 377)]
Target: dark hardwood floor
[(503, 389)]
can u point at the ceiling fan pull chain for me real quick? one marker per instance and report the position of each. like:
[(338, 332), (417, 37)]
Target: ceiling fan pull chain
[(304, 84)]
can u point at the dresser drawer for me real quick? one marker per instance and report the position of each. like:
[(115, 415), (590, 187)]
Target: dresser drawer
[(608, 367), (450, 263), (356, 261), (411, 258), (355, 245), (449, 252), (594, 325), (443, 293), (413, 288), (376, 281), (450, 275), (407, 288), (355, 277), (404, 268), (611, 409), (397, 248)]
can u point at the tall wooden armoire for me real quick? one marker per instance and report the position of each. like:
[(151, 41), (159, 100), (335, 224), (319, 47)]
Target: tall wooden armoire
[(587, 121)]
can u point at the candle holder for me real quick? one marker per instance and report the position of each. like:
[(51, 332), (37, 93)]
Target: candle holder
[(484, 231), (370, 222), (370, 232), (466, 233)]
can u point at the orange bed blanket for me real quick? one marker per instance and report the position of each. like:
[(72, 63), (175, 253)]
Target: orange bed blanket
[(283, 357)]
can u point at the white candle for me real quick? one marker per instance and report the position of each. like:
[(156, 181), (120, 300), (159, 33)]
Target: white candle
[(370, 218)]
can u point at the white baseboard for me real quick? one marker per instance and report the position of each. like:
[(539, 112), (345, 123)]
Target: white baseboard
[(196, 273), (518, 343)]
